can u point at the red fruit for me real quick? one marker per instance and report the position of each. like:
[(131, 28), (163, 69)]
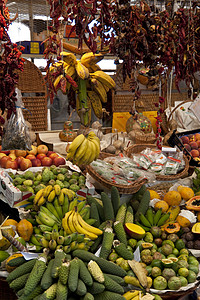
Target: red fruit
[(193, 145), (42, 149), (187, 146), (41, 156), (30, 156), (3, 161), (53, 155), (4, 151), (36, 162), (46, 161), (185, 140), (57, 161), (49, 153), (18, 160), (25, 164), (198, 143), (11, 164), (194, 153), (197, 136)]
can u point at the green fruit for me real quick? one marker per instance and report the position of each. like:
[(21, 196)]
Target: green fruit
[(132, 242), (29, 175), (193, 261), (182, 264), (3, 255), (156, 231), (160, 283), (174, 283), (169, 243), (74, 187), (191, 277), (168, 273), (171, 255), (180, 244), (157, 263), (175, 266), (148, 237), (155, 272), (166, 249), (60, 177), (145, 252), (183, 280), (183, 272), (167, 263), (173, 237), (149, 269), (184, 251), (193, 268), (175, 252), (183, 257), (139, 244)]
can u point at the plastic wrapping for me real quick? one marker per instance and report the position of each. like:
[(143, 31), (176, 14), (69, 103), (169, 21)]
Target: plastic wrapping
[(16, 131)]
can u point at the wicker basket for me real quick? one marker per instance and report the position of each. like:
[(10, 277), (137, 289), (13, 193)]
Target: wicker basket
[(123, 189), (138, 148), (34, 96), (142, 138), (6, 293)]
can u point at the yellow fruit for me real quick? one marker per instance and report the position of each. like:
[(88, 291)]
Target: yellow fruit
[(173, 198), (186, 192), (161, 204), (198, 216), (10, 222), (154, 194), (4, 243), (25, 229), (182, 221)]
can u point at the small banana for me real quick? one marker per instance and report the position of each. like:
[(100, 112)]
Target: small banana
[(57, 189), (51, 196), (47, 190), (88, 59), (75, 144), (61, 198), (38, 196), (104, 78), (65, 222), (41, 201), (69, 58), (71, 223), (81, 229), (81, 151), (70, 194), (70, 70), (57, 81), (88, 227), (81, 70)]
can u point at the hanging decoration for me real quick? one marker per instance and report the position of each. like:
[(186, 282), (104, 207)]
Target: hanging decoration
[(10, 62)]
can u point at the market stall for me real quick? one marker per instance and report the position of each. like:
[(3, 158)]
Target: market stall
[(102, 213)]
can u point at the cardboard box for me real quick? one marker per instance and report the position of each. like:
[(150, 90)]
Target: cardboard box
[(11, 193)]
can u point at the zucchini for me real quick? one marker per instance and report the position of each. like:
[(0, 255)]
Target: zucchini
[(21, 270), (94, 214), (96, 288), (88, 296), (81, 288), (108, 237), (91, 200), (19, 283), (107, 207), (36, 275), (143, 206), (116, 278), (36, 292), (120, 232), (47, 279), (112, 285), (73, 275), (115, 199), (84, 274), (122, 250)]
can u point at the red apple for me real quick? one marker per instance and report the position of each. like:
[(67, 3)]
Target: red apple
[(57, 161), (11, 164), (49, 153), (25, 164), (41, 156), (3, 161), (185, 139), (42, 149), (18, 160), (193, 145), (46, 161), (30, 156), (53, 155), (33, 151), (36, 162), (20, 153)]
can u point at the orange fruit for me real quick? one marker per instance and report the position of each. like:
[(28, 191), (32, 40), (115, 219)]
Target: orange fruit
[(161, 204), (173, 198)]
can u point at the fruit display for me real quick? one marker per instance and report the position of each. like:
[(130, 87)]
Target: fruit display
[(68, 232), (48, 177), (87, 78), (83, 150), (37, 157), (191, 142)]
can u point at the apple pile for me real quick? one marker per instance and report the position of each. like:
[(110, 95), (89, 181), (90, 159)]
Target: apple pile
[(37, 157), (192, 144)]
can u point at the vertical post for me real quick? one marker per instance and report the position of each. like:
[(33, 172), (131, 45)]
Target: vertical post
[(30, 10)]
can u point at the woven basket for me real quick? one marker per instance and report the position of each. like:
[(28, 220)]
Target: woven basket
[(34, 96), (142, 138), (138, 148), (123, 189), (6, 293)]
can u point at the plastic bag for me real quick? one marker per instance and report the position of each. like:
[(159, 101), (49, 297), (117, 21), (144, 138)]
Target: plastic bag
[(16, 131)]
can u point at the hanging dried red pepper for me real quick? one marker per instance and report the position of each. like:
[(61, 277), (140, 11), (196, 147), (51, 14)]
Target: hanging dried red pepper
[(10, 61)]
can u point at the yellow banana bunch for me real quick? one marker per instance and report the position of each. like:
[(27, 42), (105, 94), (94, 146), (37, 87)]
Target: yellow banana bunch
[(84, 150), (96, 103), (38, 196), (81, 70), (73, 222), (98, 87), (90, 59), (132, 294), (104, 78), (69, 58), (69, 70), (57, 80)]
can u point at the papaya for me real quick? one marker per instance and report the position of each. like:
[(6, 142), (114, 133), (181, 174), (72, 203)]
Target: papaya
[(193, 203)]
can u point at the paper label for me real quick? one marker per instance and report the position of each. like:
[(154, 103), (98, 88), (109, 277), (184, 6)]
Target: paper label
[(30, 255), (137, 254)]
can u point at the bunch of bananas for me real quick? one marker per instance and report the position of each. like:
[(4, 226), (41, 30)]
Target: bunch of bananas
[(73, 222), (93, 84), (83, 150), (50, 192)]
